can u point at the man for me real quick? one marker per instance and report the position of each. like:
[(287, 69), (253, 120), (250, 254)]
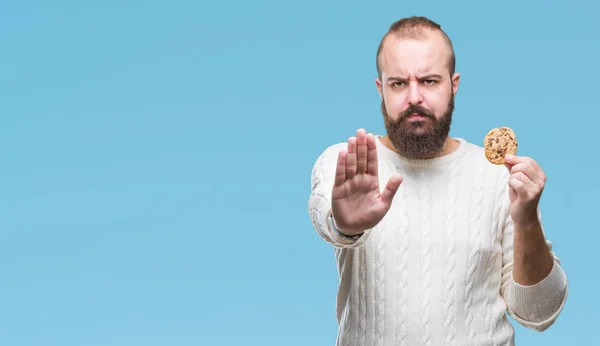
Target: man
[(435, 245)]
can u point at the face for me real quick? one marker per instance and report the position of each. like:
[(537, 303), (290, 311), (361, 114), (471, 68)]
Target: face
[(417, 94)]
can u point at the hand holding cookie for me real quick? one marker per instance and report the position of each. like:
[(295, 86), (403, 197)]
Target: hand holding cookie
[(527, 179)]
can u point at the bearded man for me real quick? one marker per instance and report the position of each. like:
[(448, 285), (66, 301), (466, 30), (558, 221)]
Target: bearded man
[(451, 244)]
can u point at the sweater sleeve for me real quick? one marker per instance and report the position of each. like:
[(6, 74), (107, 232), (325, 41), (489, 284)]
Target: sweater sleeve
[(537, 306), (319, 201)]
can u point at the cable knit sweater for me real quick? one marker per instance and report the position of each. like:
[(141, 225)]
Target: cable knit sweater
[(437, 270)]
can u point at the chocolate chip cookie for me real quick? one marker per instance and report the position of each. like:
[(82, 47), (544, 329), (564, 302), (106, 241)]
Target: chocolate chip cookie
[(498, 143)]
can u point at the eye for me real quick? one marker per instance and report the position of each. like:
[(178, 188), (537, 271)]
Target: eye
[(429, 82), (397, 84)]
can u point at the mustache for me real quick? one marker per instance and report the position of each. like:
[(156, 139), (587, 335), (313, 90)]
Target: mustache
[(414, 109)]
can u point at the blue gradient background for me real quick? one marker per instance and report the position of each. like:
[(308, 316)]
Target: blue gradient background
[(156, 157)]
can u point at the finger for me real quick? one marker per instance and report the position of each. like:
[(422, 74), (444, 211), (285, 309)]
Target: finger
[(525, 168), (515, 159), (351, 158), (340, 170), (512, 193), (361, 151), (390, 189), (517, 185), (372, 165), (522, 185), (522, 177), (531, 169)]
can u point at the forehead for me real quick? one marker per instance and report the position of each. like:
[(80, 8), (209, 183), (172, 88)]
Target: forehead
[(408, 56)]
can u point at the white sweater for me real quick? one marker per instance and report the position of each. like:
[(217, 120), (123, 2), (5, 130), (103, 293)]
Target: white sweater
[(437, 270)]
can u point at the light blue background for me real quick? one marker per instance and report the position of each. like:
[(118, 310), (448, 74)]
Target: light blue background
[(156, 157)]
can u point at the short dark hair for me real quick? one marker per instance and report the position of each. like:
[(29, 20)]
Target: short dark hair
[(415, 27)]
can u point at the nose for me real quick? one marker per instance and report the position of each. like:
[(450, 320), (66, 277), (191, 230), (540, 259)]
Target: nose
[(414, 94)]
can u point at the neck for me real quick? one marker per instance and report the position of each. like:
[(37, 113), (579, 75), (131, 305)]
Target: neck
[(450, 146)]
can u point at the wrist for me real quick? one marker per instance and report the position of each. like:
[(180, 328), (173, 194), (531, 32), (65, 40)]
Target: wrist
[(343, 233), (527, 223)]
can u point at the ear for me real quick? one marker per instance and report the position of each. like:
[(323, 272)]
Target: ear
[(379, 85), (455, 82)]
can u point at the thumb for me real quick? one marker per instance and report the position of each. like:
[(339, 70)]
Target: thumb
[(391, 188)]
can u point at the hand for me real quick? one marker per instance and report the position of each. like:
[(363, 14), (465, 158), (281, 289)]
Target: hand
[(356, 202), (527, 181)]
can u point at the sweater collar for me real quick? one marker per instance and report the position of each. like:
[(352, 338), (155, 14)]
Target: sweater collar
[(393, 156)]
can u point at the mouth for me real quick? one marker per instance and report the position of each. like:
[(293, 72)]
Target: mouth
[(416, 116)]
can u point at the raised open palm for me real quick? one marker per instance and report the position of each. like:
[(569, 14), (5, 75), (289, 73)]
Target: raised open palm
[(356, 202)]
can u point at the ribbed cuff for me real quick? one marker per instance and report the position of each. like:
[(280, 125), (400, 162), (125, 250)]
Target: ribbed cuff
[(541, 301), (319, 209)]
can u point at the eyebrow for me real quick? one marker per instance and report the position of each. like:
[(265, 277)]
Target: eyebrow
[(425, 77), (431, 76)]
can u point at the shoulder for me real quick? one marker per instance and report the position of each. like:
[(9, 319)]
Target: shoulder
[(332, 151), (326, 162), (475, 155)]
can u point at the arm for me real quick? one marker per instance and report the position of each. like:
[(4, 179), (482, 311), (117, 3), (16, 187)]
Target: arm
[(534, 284), (533, 259)]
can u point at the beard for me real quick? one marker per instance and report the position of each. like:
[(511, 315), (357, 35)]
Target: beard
[(419, 139)]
